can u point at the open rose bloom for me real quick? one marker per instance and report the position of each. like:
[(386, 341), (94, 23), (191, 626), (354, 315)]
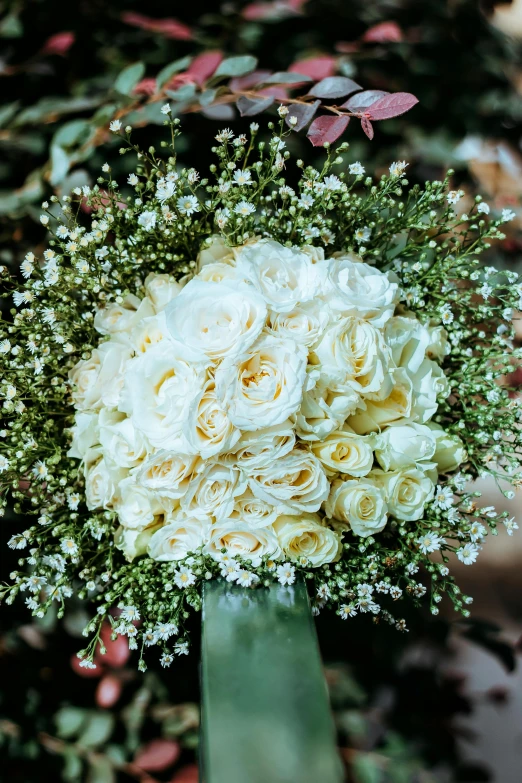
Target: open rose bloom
[(274, 402)]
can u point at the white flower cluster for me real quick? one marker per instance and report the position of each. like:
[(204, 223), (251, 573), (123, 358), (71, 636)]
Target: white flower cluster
[(272, 402)]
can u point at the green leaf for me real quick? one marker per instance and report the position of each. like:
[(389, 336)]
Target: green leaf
[(207, 96), (283, 77), (71, 133), (171, 70), (7, 113), (366, 770), (11, 27), (129, 78), (59, 164), (69, 721), (73, 766), (101, 771), (236, 66), (98, 729), (184, 93)]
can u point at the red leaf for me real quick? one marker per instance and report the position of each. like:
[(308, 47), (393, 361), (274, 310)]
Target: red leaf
[(392, 105), (276, 10), (118, 651), (279, 93), (59, 43), (203, 66), (108, 691), (326, 129), (362, 100), (315, 67), (367, 127), (248, 81), (188, 774), (147, 86), (302, 113), (170, 28), (384, 32), (157, 755)]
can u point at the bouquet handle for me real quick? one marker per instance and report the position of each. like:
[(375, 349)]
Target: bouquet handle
[(266, 716)]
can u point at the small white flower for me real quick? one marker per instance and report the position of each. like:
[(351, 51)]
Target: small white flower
[(306, 201), (132, 179), (17, 542), (184, 577), (429, 543), (164, 631), (477, 531), (363, 234), (507, 215), (40, 470), (285, 574), (166, 659), (443, 498), (397, 168), (165, 109), (44, 220), (244, 208), (454, 196), (130, 614), (242, 177), (69, 547), (147, 220), (181, 648), (187, 205), (468, 553), (347, 610), (483, 208), (106, 167), (115, 126), (357, 169), (246, 578), (225, 135), (332, 182)]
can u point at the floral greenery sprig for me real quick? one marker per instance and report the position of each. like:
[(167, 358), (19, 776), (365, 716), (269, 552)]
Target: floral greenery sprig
[(103, 244)]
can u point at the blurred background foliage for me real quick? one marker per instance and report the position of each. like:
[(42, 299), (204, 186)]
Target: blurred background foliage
[(67, 69)]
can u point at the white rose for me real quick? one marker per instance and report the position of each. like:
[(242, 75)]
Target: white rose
[(316, 254), (167, 474), (345, 452), (305, 323), (438, 346), (178, 538), (122, 317), (375, 414), (208, 430), (211, 492), (85, 434), (428, 383), (307, 540), (355, 288), (121, 442), (407, 491), (239, 539), (285, 276), (352, 353), (253, 511), (450, 451), (322, 411), (256, 450), (405, 446), (219, 273), (359, 504), (264, 386), (102, 480), (215, 251), (134, 543), (136, 506), (408, 340), (159, 386), (97, 382), (161, 289), (149, 332), (295, 483), (216, 320)]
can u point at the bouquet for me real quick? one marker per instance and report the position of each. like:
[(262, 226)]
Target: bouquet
[(269, 372)]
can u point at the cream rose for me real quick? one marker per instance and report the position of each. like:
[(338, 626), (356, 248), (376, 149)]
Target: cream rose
[(161, 289), (322, 411), (208, 430), (97, 382), (450, 451), (307, 540), (284, 276), (102, 480), (405, 446), (359, 504), (345, 452), (239, 539), (212, 491), (305, 323), (121, 442), (167, 473), (159, 387), (358, 289), (85, 434), (122, 317), (256, 450), (215, 250), (149, 332), (428, 383), (352, 353), (295, 483), (407, 491), (214, 321), (134, 543), (178, 538), (264, 386), (253, 511), (374, 414), (136, 506)]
